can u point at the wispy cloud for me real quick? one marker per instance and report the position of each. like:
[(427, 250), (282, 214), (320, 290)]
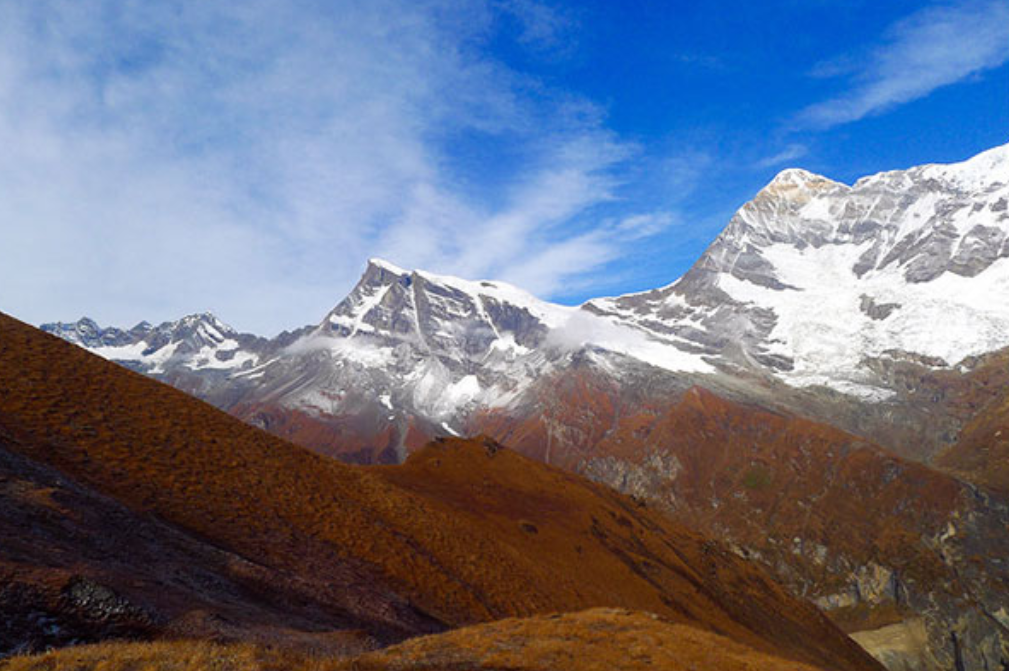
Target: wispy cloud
[(247, 157), (646, 225), (543, 26), (934, 47), (790, 153)]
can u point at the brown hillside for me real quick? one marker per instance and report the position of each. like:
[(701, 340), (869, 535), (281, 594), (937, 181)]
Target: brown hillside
[(812, 501), (351, 439), (594, 640), (981, 454), (463, 533)]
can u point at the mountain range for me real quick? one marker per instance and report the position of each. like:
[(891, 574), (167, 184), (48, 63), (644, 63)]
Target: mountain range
[(824, 390)]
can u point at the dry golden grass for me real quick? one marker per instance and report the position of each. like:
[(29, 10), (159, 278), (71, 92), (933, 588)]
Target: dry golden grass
[(160, 656), (594, 640)]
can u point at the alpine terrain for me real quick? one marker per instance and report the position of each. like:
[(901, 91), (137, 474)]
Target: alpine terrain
[(824, 390), (131, 510)]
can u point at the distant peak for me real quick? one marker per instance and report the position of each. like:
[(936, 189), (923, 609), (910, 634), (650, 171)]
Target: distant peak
[(204, 318), (198, 317), (382, 264), (799, 178), (977, 172)]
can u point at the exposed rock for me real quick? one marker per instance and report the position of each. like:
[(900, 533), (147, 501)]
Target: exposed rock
[(877, 311), (900, 647)]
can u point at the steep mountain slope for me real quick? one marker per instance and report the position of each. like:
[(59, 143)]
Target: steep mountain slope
[(876, 540), (981, 454), (408, 355), (464, 532)]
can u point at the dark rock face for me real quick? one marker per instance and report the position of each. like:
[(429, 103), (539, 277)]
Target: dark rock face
[(877, 311), (82, 612)]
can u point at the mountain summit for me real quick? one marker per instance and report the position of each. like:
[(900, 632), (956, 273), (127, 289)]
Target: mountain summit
[(197, 342), (814, 280)]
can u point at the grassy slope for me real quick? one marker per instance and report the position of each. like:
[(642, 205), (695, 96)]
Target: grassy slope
[(365, 540), (595, 640), (981, 453), (754, 476)]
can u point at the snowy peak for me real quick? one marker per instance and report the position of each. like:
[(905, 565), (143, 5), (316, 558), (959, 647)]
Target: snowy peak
[(195, 342), (989, 169), (813, 282), (798, 183), (379, 265), (927, 220), (441, 314), (826, 277), (86, 333), (812, 279)]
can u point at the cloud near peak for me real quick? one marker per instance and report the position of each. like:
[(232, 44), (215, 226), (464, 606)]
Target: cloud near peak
[(934, 47)]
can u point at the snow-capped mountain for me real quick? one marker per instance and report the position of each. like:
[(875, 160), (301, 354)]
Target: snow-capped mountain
[(813, 280), (815, 287), (199, 342), (411, 347)]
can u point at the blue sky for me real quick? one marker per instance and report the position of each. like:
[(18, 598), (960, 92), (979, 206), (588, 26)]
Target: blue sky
[(160, 158)]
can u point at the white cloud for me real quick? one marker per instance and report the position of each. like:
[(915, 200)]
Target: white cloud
[(790, 153), (645, 225), (163, 158), (932, 48), (542, 26)]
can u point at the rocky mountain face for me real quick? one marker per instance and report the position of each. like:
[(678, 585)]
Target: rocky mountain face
[(874, 308), (844, 291), (837, 302), (409, 355)]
